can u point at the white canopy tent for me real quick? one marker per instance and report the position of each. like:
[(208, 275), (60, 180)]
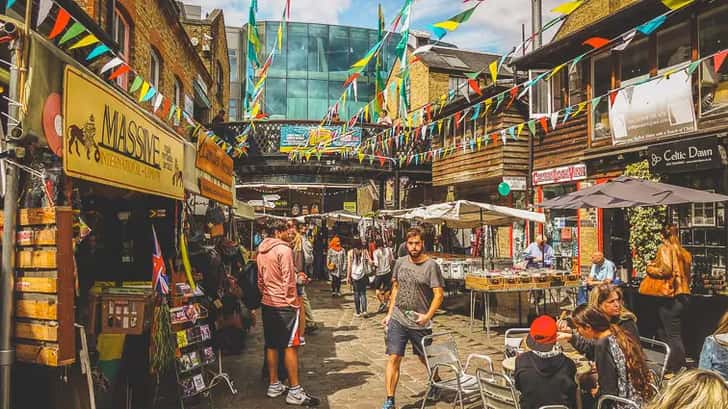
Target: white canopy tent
[(465, 214), (337, 215)]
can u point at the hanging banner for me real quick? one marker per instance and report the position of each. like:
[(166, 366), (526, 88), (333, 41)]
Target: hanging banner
[(563, 174), (213, 160), (212, 190), (653, 110), (111, 141), (297, 137)]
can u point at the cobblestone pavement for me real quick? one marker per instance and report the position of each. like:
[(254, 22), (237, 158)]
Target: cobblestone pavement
[(343, 363)]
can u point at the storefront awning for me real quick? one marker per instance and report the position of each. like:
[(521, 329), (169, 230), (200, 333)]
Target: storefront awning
[(244, 211), (464, 214)]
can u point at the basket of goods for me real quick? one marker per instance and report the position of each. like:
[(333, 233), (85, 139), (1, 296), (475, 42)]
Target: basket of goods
[(525, 281), (511, 282), (572, 279), (495, 281), (541, 281)]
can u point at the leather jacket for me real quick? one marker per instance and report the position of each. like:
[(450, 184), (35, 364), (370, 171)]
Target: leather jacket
[(673, 262)]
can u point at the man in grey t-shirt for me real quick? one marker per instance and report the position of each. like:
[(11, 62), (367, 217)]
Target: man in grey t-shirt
[(417, 294)]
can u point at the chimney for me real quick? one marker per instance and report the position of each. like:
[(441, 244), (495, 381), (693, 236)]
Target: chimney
[(536, 23), (421, 38)]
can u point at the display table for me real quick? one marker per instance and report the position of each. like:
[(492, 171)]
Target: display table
[(530, 280)]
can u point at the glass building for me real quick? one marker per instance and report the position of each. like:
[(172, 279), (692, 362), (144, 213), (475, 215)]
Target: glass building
[(308, 76)]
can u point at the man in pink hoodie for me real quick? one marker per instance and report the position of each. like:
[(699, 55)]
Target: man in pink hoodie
[(280, 304)]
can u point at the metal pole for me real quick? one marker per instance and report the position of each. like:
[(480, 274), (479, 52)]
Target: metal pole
[(482, 249), (536, 23), (7, 352)]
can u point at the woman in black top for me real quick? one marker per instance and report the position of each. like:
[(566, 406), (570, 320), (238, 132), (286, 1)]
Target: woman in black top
[(609, 300), (621, 367)]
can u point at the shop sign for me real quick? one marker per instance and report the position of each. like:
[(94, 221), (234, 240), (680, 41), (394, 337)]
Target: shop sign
[(686, 156), (656, 109), (296, 136), (113, 142), (212, 190), (560, 175), (350, 207), (517, 183), (213, 160)]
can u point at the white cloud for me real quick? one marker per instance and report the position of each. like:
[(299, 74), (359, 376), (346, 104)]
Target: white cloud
[(311, 11)]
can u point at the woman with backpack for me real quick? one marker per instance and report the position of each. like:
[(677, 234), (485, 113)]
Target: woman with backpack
[(359, 264)]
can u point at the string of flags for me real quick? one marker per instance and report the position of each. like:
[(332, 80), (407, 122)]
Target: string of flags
[(422, 119), (70, 34), (384, 143)]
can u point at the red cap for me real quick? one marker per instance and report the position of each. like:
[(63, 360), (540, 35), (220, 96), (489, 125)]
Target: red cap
[(543, 331)]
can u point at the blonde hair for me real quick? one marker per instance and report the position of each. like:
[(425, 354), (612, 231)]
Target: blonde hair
[(693, 389)]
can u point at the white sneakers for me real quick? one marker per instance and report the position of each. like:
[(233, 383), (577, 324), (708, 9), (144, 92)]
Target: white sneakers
[(276, 389), (295, 396)]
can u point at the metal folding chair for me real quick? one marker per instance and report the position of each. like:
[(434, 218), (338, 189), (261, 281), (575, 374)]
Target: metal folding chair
[(657, 354), (497, 390), (512, 340), (616, 399), (441, 355)]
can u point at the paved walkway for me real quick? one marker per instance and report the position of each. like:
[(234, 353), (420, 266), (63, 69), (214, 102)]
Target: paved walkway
[(343, 363)]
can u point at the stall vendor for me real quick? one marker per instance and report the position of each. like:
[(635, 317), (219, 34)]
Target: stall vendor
[(539, 254)]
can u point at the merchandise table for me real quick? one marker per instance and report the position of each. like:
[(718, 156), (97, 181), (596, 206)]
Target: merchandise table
[(473, 283)]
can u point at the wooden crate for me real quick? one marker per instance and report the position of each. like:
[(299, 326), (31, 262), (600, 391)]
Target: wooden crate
[(45, 308), (41, 354), (30, 217), (47, 285), (43, 237), (36, 258), (37, 330)]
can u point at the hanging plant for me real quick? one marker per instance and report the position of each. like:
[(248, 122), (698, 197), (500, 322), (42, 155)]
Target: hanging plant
[(645, 222), (162, 346)]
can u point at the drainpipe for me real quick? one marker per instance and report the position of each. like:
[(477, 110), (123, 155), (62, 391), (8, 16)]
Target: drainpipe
[(536, 23), (7, 352)]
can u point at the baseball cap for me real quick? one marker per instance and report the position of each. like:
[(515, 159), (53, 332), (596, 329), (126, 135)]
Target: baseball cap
[(542, 336)]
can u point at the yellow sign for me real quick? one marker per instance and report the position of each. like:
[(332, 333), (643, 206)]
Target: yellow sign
[(216, 192), (109, 140), (213, 160), (350, 207)]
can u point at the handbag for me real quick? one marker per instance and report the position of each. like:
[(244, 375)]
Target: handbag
[(657, 287), (659, 280)]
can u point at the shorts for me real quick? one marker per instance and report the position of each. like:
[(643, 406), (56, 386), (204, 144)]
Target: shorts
[(398, 335), (383, 282), (280, 327)]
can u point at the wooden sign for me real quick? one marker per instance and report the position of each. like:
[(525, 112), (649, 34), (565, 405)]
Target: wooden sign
[(213, 160), (216, 192)]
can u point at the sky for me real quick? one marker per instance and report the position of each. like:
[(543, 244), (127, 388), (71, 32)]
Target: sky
[(494, 27)]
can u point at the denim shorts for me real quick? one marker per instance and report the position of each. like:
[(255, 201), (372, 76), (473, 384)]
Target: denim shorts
[(398, 335)]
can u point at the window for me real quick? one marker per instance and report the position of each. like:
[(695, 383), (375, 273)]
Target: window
[(458, 85), (233, 57), (538, 95), (318, 98), (601, 84), (713, 37), (577, 88), (297, 50), (233, 109), (318, 46), (560, 90), (155, 67), (122, 36), (177, 97), (296, 96), (635, 61), (673, 46), (275, 98)]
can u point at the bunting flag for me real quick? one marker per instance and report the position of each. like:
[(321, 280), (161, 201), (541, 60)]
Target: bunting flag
[(626, 39), (157, 102), (362, 63), (136, 84), (544, 123), (378, 67), (74, 31), (595, 103), (98, 51), (149, 94), (474, 86), (144, 89), (493, 67), (718, 60), (576, 61), (119, 72), (476, 112), (676, 4), (114, 62), (86, 41), (441, 28), (652, 25), (519, 129), (43, 9), (596, 42), (62, 20), (554, 119), (532, 127), (692, 67), (568, 7)]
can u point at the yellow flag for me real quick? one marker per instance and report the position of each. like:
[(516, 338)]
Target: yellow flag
[(363, 62), (568, 7), (143, 92), (88, 40), (519, 129), (280, 36), (447, 25), (366, 112), (493, 70), (676, 4), (580, 107), (555, 70)]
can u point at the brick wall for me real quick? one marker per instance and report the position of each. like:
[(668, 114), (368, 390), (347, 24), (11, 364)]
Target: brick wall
[(156, 24), (590, 13)]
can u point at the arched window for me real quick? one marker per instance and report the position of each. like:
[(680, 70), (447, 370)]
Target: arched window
[(155, 68)]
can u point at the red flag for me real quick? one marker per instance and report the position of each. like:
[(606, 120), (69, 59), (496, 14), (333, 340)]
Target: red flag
[(475, 86), (428, 109), (123, 69), (718, 60), (613, 96), (351, 79), (457, 120), (381, 160), (544, 123), (596, 42), (61, 22)]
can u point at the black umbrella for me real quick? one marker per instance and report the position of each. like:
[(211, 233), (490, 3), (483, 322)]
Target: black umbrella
[(626, 191)]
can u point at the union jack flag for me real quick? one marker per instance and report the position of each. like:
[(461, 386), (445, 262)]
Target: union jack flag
[(159, 270)]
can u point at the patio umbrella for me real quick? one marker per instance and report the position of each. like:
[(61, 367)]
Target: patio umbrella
[(626, 191), (464, 214)]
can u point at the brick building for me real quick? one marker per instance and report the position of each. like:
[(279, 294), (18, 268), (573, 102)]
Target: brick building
[(154, 38)]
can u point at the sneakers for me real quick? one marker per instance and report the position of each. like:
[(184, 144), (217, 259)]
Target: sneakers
[(276, 389), (388, 404), (297, 396)]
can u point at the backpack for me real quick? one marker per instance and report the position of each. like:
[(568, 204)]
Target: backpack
[(248, 282)]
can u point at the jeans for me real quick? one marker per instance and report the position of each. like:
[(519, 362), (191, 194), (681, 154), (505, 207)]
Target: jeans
[(669, 330), (360, 295), (308, 269), (335, 284), (307, 308)]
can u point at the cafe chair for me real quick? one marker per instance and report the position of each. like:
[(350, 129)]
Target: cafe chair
[(626, 403), (442, 358), (497, 390), (657, 354), (512, 340)]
